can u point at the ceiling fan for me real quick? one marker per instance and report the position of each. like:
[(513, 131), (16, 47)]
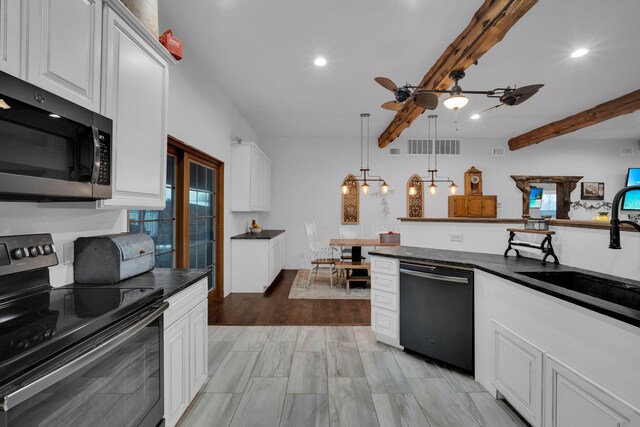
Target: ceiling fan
[(427, 99)]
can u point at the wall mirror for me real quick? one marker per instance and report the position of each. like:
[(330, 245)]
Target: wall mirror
[(534, 201)]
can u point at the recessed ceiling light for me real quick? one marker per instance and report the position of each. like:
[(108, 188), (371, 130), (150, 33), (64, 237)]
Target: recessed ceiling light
[(579, 52), (475, 116), (55, 116), (320, 61)]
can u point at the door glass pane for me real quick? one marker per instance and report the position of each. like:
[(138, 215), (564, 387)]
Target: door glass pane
[(160, 225), (201, 218)]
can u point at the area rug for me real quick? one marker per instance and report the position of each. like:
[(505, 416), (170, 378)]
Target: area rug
[(319, 288)]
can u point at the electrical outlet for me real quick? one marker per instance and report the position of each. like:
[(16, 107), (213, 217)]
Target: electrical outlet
[(67, 253), (456, 237)]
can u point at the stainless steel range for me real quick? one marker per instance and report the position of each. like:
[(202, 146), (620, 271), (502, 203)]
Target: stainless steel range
[(78, 354)]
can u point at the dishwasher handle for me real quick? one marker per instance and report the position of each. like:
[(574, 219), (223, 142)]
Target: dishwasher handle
[(442, 278)]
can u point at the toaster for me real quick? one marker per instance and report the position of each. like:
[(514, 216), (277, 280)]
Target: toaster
[(112, 258)]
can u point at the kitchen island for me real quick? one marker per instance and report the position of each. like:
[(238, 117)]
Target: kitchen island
[(553, 352)]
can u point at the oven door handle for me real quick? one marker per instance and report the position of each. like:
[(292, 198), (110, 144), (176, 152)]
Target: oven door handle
[(454, 279), (17, 397)]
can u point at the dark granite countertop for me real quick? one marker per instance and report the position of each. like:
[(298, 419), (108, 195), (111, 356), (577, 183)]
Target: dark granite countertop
[(265, 235), (170, 280), (510, 268)]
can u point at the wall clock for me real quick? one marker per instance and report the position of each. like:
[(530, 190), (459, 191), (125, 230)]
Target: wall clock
[(473, 182)]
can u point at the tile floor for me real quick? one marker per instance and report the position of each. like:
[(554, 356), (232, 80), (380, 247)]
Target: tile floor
[(332, 376)]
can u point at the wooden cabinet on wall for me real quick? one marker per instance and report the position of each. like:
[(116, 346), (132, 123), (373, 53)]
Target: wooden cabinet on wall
[(134, 95), (184, 349), (473, 206), (250, 178)]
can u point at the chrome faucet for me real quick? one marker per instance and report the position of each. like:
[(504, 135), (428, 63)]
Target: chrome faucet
[(614, 238)]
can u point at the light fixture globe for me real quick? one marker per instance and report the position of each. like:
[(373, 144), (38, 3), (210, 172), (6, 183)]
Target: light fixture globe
[(453, 188), (345, 189), (385, 187), (413, 190), (455, 101), (432, 188), (365, 188)]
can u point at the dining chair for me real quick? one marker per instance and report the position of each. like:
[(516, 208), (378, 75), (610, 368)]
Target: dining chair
[(320, 256), (349, 232)]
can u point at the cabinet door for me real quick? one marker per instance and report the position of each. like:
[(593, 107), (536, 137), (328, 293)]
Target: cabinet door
[(198, 348), (176, 370), (517, 372), (384, 322), (256, 191), (474, 206), (266, 173), (63, 46), (135, 97), (457, 206), (489, 206), (573, 400), (10, 37)]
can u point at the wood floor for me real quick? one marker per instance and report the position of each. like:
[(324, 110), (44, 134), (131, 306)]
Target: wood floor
[(275, 308)]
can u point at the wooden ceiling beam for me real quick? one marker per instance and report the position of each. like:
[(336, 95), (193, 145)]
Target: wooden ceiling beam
[(488, 26), (616, 107)]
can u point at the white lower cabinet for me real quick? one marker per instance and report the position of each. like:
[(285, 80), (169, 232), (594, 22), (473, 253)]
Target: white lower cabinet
[(573, 400), (185, 349), (517, 372), (557, 364), (385, 305), (255, 263)]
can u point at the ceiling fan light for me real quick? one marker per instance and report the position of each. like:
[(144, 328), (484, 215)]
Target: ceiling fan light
[(455, 101)]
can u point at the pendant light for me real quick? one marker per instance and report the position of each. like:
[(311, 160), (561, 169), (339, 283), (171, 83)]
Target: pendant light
[(433, 173), (365, 177)]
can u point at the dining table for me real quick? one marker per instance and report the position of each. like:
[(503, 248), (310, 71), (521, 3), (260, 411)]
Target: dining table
[(357, 245)]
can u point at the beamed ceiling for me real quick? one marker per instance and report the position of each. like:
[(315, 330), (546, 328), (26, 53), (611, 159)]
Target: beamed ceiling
[(261, 53)]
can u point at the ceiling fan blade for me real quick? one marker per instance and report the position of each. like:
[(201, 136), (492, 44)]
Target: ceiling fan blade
[(426, 100), (386, 83), (490, 108), (392, 105), (519, 95)]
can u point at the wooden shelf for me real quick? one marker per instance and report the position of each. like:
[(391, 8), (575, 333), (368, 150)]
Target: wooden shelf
[(524, 230), (554, 222)]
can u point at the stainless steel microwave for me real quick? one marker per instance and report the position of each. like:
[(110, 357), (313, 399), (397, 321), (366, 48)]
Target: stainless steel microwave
[(51, 149)]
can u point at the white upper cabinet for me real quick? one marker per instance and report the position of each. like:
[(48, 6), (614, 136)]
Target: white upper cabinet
[(250, 178), (64, 48), (134, 96), (10, 37)]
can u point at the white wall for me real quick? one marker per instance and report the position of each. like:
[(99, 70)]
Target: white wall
[(203, 116), (307, 173)]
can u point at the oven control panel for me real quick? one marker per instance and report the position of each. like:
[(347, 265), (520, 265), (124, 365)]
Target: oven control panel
[(26, 252)]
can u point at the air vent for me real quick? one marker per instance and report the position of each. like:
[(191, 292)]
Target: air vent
[(626, 151), (442, 147), (497, 151), (395, 151)]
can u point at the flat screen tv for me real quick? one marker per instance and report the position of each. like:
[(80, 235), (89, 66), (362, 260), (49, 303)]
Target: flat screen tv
[(535, 198), (631, 201)]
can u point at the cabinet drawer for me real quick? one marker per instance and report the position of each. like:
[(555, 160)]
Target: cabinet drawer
[(385, 265), (184, 301), (384, 282), (384, 300), (384, 322)]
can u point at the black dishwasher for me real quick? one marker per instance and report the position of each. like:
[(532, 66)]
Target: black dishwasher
[(436, 313)]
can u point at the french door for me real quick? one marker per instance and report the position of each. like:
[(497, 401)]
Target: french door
[(189, 232)]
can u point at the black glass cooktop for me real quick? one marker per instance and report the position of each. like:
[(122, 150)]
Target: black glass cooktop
[(36, 327)]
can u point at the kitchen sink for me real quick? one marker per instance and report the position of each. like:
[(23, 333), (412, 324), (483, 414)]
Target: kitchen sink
[(616, 292)]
